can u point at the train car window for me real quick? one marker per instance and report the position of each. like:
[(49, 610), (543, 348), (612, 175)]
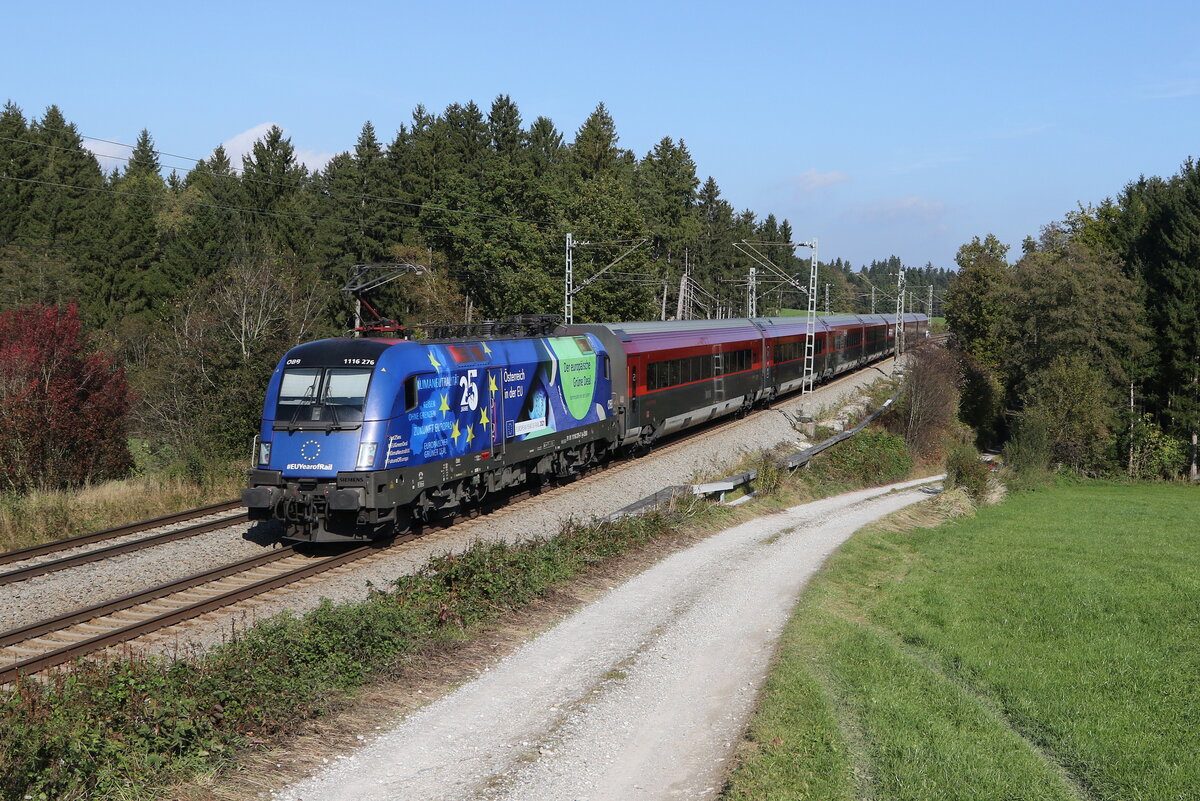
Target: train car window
[(606, 368), (672, 373), (477, 353), (583, 344), (410, 393)]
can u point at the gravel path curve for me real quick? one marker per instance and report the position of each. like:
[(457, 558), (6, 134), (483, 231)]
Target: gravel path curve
[(640, 695), (599, 495)]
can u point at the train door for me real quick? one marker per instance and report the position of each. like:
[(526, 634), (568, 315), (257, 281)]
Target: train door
[(718, 371), (635, 416), (495, 411)]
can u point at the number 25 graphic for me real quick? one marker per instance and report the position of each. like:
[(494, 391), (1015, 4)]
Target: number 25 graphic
[(470, 396)]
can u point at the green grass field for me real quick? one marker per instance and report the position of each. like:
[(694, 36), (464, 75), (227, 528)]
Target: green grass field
[(1048, 648)]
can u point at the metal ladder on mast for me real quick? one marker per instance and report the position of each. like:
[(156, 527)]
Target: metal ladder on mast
[(810, 326)]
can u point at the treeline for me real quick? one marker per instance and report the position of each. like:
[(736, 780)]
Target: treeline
[(1085, 352), (872, 288), (196, 283), (484, 198)]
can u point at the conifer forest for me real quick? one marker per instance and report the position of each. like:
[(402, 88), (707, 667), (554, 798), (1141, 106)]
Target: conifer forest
[(163, 298)]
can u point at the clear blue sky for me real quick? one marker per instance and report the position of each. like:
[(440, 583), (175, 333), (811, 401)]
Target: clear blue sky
[(879, 128)]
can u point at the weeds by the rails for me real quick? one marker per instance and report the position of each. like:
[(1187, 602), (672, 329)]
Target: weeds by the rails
[(133, 725), (46, 515), (130, 725), (1038, 650)]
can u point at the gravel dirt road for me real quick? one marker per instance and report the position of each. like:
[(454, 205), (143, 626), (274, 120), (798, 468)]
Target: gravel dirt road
[(642, 694)]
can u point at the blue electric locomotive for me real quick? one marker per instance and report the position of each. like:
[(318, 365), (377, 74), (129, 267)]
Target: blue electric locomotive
[(360, 437)]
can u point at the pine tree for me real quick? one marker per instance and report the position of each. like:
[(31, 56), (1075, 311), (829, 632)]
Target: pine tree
[(132, 282), (275, 183), (17, 168), (212, 231)]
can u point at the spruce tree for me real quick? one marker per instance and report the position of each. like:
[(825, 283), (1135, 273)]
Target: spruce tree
[(212, 230), (1178, 310), (67, 205), (17, 168), (595, 152), (132, 282), (275, 185)]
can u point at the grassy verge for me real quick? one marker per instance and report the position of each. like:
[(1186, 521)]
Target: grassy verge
[(1043, 649), (46, 515), (128, 727)]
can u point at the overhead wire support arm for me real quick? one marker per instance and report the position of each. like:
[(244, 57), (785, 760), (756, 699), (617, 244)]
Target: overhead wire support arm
[(748, 247), (570, 290), (810, 326)]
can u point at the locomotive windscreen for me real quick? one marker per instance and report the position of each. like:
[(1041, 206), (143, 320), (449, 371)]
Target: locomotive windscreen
[(319, 397)]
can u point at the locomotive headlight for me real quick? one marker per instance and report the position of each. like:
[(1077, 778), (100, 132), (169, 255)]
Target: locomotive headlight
[(264, 454), (366, 454)]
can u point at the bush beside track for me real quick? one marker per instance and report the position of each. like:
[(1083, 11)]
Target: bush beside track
[(131, 726)]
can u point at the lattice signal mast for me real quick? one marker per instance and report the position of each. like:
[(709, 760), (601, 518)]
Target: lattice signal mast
[(810, 339)]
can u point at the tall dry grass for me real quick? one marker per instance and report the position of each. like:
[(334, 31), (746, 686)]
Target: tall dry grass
[(45, 515)]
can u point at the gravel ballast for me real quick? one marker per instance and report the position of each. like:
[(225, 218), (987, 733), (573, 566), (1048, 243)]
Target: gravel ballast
[(640, 695), (52, 594), (541, 516)]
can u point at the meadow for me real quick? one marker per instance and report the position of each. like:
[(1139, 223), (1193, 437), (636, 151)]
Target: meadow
[(1044, 648)]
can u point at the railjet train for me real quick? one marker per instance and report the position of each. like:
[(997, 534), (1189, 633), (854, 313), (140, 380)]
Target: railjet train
[(363, 438)]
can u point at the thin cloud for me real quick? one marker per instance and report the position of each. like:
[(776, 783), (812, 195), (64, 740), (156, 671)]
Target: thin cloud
[(1172, 90), (241, 144), (1020, 133), (111, 157), (927, 164), (907, 209), (813, 179)]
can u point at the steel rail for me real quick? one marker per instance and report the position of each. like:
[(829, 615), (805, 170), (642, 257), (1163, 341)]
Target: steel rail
[(130, 630), (33, 551), (100, 554)]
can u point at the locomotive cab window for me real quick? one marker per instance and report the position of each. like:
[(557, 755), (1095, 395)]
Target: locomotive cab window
[(320, 397)]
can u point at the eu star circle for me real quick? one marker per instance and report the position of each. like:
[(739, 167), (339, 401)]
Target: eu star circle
[(310, 450)]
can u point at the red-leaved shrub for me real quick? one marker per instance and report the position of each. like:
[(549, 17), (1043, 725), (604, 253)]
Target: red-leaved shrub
[(62, 410)]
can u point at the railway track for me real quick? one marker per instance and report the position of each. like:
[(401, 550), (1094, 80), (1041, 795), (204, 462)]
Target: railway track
[(49, 643), (100, 554), (47, 548), (52, 642)]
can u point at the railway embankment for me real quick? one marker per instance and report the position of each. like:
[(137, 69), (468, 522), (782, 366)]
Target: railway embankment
[(138, 723)]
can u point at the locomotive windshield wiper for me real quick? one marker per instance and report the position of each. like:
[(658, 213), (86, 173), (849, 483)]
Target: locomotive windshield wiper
[(293, 424), (335, 425)]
